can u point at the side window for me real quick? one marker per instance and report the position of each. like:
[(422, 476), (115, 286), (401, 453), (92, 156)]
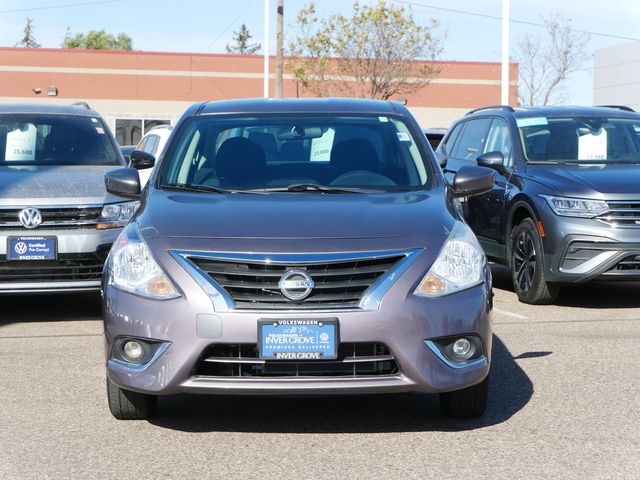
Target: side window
[(150, 144), (472, 140), (499, 140), (448, 144)]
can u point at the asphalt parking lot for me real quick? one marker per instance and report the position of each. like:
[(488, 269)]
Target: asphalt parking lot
[(563, 404)]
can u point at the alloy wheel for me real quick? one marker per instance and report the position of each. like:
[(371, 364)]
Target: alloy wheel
[(524, 261)]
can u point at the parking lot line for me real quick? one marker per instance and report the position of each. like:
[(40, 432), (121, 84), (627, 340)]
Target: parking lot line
[(511, 314)]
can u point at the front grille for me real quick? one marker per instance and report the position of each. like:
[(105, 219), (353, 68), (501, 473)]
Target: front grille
[(54, 217), (241, 360), (254, 284), (69, 267), (622, 214)]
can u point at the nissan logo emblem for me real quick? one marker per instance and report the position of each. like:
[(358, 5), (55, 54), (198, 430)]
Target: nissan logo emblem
[(296, 284), (30, 217)]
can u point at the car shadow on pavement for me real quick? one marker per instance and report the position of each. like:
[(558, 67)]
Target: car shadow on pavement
[(510, 390), (588, 295), (27, 308)]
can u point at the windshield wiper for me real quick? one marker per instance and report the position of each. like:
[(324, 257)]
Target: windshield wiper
[(188, 187), (313, 187), (550, 162)]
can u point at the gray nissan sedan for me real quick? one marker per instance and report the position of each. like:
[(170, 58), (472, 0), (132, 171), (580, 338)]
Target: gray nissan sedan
[(288, 247)]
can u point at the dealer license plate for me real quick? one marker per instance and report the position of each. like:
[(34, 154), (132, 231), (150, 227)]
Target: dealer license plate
[(31, 248), (298, 339)]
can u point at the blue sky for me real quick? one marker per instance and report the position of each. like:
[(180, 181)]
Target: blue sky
[(208, 25)]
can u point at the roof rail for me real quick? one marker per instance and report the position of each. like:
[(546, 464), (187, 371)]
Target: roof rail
[(81, 104), (619, 107), (506, 108)]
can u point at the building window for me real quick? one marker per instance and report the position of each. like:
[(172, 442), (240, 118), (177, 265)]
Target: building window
[(128, 132)]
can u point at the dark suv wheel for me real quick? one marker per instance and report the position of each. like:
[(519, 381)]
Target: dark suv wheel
[(527, 265)]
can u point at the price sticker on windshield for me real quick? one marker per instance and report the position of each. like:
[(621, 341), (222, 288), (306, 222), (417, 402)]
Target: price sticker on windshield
[(593, 146), (21, 143)]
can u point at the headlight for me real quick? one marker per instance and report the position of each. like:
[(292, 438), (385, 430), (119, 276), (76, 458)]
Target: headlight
[(576, 207), (460, 265), (133, 269), (115, 215)]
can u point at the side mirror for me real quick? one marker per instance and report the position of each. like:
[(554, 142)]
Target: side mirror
[(442, 159), (123, 182), (471, 180), (494, 160), (141, 160)]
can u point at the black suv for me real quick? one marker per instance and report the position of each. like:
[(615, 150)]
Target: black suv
[(566, 204)]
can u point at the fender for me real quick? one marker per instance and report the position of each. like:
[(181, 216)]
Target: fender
[(520, 201)]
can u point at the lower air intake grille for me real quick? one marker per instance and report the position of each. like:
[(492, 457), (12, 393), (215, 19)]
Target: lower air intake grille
[(67, 268), (241, 360), (628, 265)]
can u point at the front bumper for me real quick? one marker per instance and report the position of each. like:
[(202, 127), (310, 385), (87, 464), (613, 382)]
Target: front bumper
[(578, 250), (81, 257), (402, 323)]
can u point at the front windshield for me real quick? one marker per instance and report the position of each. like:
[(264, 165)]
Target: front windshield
[(580, 139), (41, 139), (276, 152)]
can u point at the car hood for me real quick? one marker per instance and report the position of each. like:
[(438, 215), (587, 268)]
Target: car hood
[(54, 185), (278, 216), (598, 181)]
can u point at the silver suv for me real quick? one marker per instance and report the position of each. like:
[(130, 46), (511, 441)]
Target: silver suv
[(57, 222)]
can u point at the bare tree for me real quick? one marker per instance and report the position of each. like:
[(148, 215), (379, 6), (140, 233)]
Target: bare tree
[(371, 54), (28, 40), (544, 66)]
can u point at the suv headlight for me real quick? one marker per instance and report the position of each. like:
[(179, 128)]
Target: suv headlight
[(132, 267), (460, 265), (116, 215), (576, 207)]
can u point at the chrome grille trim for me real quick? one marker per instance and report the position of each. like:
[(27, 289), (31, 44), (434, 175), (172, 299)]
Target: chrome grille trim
[(370, 299), (53, 216), (622, 214)]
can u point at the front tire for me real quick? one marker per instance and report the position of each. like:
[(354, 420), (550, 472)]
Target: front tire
[(470, 402), (129, 405), (527, 266)]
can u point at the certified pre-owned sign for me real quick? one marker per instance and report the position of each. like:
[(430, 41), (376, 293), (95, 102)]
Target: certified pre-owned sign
[(31, 248)]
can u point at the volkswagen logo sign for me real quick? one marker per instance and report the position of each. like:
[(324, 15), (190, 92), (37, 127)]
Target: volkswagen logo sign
[(21, 248), (30, 217), (296, 284)]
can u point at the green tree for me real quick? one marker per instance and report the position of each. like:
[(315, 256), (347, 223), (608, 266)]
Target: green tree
[(242, 46), (371, 54), (28, 40), (545, 65), (98, 40)]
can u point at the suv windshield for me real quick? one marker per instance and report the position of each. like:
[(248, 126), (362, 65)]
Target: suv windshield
[(580, 139), (40, 139), (296, 153)]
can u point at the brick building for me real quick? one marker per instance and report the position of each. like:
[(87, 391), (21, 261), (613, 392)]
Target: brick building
[(135, 90)]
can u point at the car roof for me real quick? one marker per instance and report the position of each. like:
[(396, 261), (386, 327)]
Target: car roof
[(82, 109), (167, 128), (553, 111), (299, 105), (569, 110)]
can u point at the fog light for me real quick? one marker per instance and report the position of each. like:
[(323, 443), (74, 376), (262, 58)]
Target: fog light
[(459, 352), (463, 349), (133, 350)]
